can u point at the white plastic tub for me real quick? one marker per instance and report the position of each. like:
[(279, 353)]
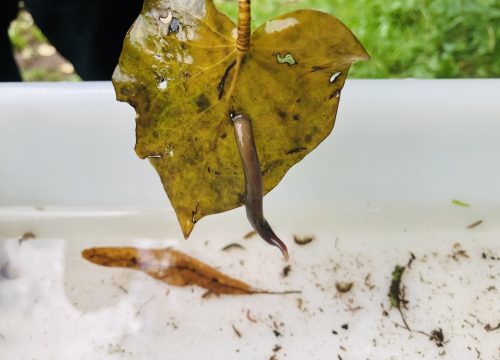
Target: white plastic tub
[(381, 187)]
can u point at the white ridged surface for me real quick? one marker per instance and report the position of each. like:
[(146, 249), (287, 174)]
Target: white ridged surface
[(379, 188)]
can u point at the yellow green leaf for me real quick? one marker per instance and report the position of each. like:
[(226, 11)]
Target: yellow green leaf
[(181, 71)]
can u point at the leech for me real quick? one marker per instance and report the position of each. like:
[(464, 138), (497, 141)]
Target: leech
[(254, 192)]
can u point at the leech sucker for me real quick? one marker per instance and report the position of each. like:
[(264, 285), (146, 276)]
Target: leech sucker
[(254, 192)]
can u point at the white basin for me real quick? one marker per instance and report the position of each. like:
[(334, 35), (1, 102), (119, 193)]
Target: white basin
[(379, 188)]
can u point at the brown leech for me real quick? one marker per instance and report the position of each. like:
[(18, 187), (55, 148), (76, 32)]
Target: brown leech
[(254, 193)]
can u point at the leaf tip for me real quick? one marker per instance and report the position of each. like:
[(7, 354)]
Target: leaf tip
[(187, 225)]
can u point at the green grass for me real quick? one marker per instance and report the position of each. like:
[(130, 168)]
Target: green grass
[(405, 38), (409, 38)]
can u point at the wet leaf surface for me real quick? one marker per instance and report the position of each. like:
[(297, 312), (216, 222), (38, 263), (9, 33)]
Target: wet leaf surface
[(181, 71)]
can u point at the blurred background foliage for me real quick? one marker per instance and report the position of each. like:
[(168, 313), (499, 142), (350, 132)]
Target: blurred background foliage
[(36, 58), (405, 38)]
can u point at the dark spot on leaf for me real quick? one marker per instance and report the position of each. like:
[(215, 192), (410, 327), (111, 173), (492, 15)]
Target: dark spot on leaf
[(223, 135), (336, 93), (244, 59), (308, 138), (202, 102), (271, 166), (295, 150), (319, 68), (194, 213), (124, 91), (222, 83), (282, 114), (296, 117), (174, 25), (298, 100)]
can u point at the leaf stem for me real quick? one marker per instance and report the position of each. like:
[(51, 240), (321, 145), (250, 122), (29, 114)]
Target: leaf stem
[(244, 21)]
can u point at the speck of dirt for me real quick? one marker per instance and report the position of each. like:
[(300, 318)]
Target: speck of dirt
[(345, 326), (27, 236), (343, 287), (276, 333), (458, 252), (233, 246), (250, 317), (286, 270), (236, 331), (475, 224), (334, 332), (249, 234), (203, 102), (368, 282), (438, 337), (209, 294), (300, 304), (304, 240), (490, 328)]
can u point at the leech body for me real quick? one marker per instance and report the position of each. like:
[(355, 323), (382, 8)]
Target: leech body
[(254, 192)]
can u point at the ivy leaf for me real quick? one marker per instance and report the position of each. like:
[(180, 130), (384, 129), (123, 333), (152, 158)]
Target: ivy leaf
[(180, 70)]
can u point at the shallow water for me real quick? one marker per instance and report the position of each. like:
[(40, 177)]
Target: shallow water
[(55, 305)]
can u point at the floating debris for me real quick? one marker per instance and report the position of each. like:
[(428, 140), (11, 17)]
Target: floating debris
[(303, 240), (343, 287), (490, 328), (460, 203), (474, 224), (236, 331), (286, 270), (250, 234), (232, 246)]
